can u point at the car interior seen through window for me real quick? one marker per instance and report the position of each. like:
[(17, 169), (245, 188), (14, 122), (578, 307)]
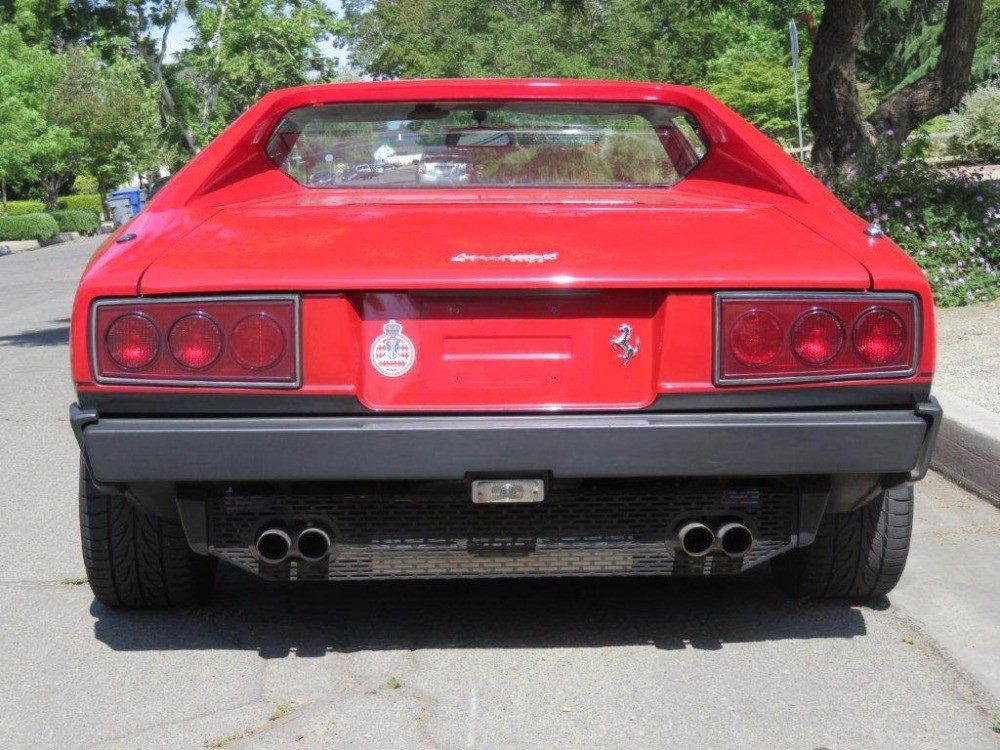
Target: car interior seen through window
[(457, 144)]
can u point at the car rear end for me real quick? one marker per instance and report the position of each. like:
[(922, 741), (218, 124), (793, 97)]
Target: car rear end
[(626, 349)]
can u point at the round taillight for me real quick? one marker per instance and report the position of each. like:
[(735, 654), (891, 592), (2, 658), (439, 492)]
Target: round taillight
[(258, 342), (195, 341), (756, 338), (133, 341), (879, 336), (817, 336)]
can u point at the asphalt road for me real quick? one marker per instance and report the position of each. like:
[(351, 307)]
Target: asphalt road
[(553, 664)]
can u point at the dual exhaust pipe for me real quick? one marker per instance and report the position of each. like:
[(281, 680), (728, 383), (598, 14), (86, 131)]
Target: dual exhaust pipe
[(697, 540), (274, 545)]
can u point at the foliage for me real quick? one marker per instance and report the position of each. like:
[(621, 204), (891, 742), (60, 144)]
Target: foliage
[(109, 110), (976, 125), (18, 208), (761, 90), (240, 50), (83, 183), (84, 202), (948, 223), (84, 222), (737, 49), (636, 159), (549, 164), (39, 227), (901, 42), (27, 75)]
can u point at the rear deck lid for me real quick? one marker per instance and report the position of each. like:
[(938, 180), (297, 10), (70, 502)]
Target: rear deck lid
[(676, 243)]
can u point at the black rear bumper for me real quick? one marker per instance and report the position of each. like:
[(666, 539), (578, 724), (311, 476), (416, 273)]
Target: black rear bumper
[(121, 450)]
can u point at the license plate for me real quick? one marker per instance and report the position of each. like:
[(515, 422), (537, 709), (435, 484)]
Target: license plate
[(497, 491)]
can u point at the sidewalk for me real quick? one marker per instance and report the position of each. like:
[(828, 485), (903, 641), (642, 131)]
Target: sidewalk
[(967, 383)]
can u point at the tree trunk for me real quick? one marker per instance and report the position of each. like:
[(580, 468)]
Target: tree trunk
[(3, 196), (840, 133), (841, 136), (154, 59), (52, 185), (943, 87), (102, 190)]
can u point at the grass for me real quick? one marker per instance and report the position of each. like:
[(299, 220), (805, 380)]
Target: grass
[(223, 743), (996, 722), (280, 711), (75, 581), (394, 683)]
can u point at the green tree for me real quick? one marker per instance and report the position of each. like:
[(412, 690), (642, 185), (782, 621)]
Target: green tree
[(108, 108), (241, 49), (32, 145)]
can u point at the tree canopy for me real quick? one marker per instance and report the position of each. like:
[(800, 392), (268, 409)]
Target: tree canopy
[(874, 65)]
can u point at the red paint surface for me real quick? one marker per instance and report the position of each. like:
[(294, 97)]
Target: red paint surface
[(747, 217)]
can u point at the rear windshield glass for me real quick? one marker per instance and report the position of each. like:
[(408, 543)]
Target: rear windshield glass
[(459, 144)]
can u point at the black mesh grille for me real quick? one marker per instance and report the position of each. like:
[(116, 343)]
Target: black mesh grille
[(599, 528)]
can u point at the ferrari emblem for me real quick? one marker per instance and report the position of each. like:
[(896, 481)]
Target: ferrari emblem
[(392, 353), (624, 344)]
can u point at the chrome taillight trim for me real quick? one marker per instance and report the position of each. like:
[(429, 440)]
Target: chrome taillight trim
[(874, 298), (118, 302)]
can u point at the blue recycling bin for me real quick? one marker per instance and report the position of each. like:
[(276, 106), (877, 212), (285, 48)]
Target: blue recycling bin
[(136, 198)]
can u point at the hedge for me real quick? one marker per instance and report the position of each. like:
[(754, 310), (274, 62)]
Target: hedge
[(84, 222), (17, 208), (85, 202), (39, 227)]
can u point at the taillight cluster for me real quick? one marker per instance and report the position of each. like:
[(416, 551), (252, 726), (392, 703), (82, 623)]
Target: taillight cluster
[(212, 341), (783, 337)]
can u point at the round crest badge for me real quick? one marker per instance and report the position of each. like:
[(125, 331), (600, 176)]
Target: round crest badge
[(392, 353)]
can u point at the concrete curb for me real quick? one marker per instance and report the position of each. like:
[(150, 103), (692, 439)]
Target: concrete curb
[(968, 446), (10, 247)]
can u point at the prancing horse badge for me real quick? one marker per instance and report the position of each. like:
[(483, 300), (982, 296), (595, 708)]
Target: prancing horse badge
[(624, 344)]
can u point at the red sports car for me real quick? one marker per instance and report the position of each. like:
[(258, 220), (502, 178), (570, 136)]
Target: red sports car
[(636, 338)]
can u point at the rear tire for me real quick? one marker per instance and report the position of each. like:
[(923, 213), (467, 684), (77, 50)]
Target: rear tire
[(860, 554), (136, 560)]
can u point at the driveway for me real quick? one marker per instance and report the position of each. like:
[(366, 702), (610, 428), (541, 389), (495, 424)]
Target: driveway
[(549, 664)]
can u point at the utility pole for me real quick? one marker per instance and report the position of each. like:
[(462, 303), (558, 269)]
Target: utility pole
[(793, 40)]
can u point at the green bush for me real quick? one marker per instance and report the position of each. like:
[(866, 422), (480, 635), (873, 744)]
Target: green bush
[(637, 158), (549, 164), (83, 184), (949, 223), (17, 208), (85, 202), (977, 126), (84, 222), (39, 227)]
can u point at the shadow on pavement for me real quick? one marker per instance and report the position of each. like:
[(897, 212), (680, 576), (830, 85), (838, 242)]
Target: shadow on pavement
[(58, 336), (311, 619)]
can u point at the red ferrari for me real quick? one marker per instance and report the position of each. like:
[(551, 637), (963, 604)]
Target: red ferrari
[(494, 328)]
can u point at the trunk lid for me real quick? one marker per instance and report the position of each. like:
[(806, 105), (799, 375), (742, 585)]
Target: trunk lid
[(677, 243)]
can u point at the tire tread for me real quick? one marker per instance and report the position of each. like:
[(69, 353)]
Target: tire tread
[(134, 559), (859, 555)]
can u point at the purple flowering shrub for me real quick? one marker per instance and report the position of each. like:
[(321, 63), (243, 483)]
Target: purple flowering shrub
[(949, 223)]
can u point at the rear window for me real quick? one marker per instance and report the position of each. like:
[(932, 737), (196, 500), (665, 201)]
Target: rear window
[(466, 144)]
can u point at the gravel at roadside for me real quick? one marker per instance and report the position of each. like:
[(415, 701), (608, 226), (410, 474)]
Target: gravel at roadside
[(968, 362)]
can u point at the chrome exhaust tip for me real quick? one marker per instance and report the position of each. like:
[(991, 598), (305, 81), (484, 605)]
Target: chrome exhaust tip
[(735, 539), (695, 539), (273, 546), (313, 544)]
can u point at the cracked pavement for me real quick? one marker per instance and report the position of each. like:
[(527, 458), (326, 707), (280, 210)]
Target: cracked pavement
[(518, 664)]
